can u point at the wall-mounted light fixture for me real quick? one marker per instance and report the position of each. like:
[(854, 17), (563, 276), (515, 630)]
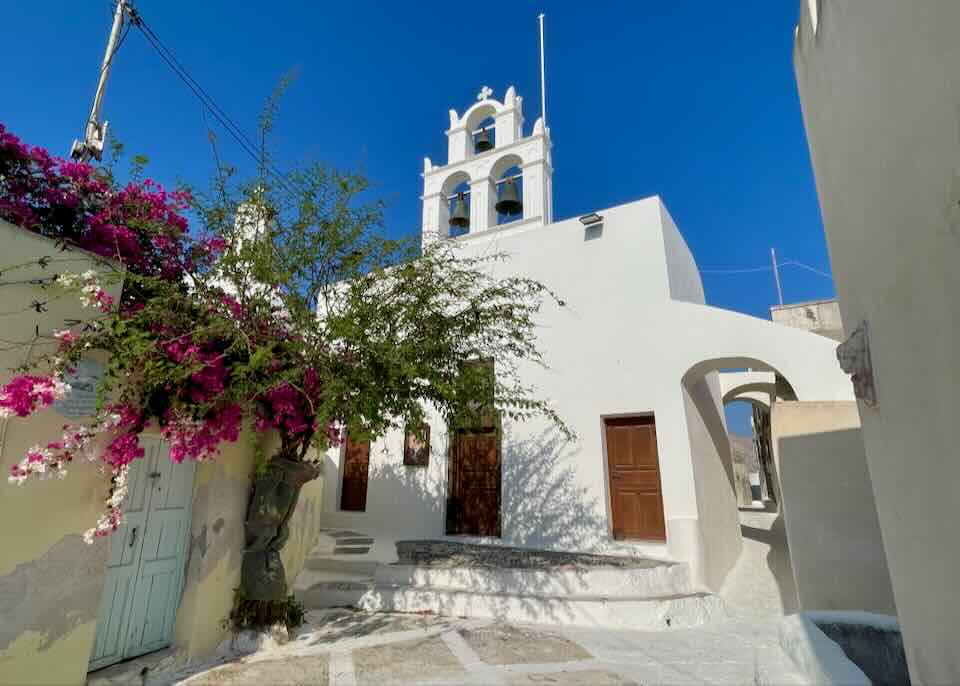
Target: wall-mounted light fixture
[(591, 219)]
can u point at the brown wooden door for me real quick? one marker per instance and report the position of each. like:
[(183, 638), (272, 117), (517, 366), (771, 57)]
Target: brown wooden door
[(474, 503), (636, 499), (356, 465)]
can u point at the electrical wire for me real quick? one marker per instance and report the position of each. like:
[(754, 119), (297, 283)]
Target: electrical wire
[(794, 263), (751, 270), (207, 100)]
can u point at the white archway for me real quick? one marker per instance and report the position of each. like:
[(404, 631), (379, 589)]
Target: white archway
[(734, 384), (721, 339)]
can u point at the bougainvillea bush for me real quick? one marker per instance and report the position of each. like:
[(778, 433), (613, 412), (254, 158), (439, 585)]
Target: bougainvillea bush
[(283, 308)]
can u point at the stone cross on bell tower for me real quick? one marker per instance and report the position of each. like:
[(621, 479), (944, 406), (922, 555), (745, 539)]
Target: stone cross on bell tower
[(479, 159)]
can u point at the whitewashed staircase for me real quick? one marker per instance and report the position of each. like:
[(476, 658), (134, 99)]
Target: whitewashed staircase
[(652, 595)]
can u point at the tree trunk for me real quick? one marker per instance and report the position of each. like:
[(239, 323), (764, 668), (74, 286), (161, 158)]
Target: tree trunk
[(272, 502)]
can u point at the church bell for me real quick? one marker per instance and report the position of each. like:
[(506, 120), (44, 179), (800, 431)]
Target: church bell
[(483, 142), (460, 216), (509, 202)]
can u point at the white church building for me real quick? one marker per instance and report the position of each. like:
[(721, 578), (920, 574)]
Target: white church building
[(633, 361)]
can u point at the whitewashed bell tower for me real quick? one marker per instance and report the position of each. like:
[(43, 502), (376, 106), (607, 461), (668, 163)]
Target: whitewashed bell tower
[(484, 171)]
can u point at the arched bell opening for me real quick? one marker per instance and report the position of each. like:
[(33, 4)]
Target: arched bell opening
[(454, 219), (508, 201), (484, 136), (458, 208), (481, 118)]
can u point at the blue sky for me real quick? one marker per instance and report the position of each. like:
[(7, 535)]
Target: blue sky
[(691, 100)]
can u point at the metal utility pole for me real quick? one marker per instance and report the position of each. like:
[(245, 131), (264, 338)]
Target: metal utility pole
[(95, 133), (776, 275)]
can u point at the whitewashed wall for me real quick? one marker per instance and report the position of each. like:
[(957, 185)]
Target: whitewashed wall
[(879, 86), (621, 345)]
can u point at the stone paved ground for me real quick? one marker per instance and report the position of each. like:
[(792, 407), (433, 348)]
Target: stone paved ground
[(346, 648), (761, 583)]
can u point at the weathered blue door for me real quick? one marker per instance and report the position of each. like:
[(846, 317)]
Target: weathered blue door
[(145, 572)]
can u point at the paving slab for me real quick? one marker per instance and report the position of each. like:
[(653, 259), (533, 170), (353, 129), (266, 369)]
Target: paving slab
[(590, 677), (405, 662), (303, 671), (503, 644), (347, 648)]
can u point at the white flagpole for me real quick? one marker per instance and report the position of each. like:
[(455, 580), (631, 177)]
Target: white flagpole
[(543, 79)]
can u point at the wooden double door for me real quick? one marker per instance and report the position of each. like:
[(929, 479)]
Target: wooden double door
[(474, 496), (636, 496)]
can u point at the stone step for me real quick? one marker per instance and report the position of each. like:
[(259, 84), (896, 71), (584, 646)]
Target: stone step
[(636, 613), (652, 581), (349, 567)]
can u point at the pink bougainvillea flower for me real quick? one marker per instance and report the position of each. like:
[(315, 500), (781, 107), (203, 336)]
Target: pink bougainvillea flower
[(199, 440), (25, 394), (66, 336), (123, 449)]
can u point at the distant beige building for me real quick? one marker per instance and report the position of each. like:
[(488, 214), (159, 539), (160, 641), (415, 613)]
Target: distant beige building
[(816, 316)]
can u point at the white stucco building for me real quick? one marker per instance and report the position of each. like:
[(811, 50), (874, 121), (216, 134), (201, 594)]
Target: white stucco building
[(879, 89), (633, 358)]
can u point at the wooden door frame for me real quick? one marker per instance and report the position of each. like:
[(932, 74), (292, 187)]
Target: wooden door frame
[(343, 471), (608, 491), (497, 430)]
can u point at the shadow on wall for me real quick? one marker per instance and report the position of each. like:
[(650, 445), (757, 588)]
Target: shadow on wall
[(408, 499), (831, 521), (543, 503)]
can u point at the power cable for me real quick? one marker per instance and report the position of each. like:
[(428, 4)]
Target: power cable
[(736, 271), (207, 100), (794, 263), (751, 270)]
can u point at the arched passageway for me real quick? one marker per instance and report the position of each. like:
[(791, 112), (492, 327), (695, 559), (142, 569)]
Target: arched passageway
[(760, 579)]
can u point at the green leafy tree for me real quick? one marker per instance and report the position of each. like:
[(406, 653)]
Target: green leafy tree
[(286, 307)]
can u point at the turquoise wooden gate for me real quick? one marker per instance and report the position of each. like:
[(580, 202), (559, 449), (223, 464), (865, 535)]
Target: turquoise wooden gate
[(147, 557)]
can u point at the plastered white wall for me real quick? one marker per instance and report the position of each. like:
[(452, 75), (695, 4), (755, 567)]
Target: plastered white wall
[(683, 277), (879, 90), (713, 475), (621, 345)]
